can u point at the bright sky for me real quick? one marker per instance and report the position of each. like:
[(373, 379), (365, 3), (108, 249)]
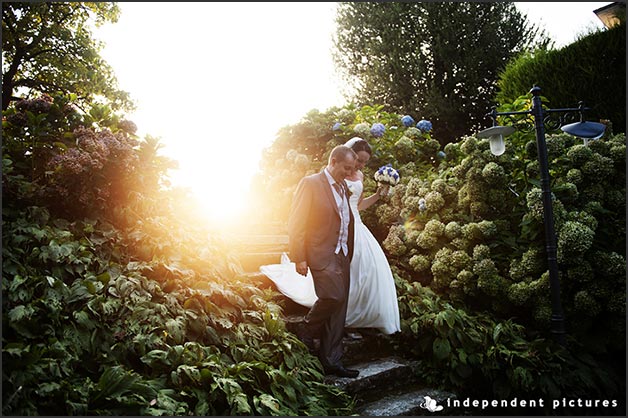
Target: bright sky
[(563, 21), (216, 81)]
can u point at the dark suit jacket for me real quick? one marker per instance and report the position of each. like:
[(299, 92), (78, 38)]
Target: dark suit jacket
[(314, 222)]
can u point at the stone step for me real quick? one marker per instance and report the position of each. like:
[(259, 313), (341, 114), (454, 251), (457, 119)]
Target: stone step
[(260, 243), (387, 385), (371, 344), (253, 239), (251, 261), (277, 228), (409, 401), (376, 375)]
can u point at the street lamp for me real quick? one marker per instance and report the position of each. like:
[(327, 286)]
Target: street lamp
[(582, 129)]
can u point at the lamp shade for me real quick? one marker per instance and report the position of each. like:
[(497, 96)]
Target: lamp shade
[(587, 130), (495, 135), (497, 145), (496, 130)]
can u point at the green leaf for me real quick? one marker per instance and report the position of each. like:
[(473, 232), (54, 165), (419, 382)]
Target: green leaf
[(266, 403), (46, 388), (83, 319), (78, 292), (235, 396), (104, 277), (114, 381), (16, 349), (60, 145), (462, 355), (155, 358), (21, 312), (176, 329), (191, 372), (441, 348), (497, 331)]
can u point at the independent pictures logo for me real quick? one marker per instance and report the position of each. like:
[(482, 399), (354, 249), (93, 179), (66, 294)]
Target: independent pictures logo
[(432, 404)]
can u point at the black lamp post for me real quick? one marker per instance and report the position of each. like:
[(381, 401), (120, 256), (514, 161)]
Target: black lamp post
[(582, 129)]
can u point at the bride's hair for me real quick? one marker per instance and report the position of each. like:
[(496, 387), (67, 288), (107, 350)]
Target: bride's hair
[(358, 144)]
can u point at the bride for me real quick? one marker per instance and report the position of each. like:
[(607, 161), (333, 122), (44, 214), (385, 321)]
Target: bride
[(372, 299)]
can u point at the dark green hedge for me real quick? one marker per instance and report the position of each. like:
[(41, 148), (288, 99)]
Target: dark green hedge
[(592, 69)]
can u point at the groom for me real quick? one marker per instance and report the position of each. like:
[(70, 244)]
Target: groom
[(320, 229)]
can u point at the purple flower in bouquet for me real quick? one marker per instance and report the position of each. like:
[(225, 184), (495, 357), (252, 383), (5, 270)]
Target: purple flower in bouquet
[(424, 125), (387, 175), (378, 129), (336, 126), (407, 121)]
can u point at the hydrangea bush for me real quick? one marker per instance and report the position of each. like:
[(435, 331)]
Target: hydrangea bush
[(468, 226), (303, 149), (478, 238)]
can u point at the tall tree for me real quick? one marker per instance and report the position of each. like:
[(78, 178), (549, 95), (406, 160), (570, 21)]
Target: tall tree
[(48, 47), (433, 60)]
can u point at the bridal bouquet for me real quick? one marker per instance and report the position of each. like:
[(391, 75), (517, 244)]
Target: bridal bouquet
[(387, 176)]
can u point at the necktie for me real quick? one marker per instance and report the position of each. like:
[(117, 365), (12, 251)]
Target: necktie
[(339, 189)]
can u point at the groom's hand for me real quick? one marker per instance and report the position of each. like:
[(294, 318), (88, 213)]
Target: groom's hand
[(302, 268)]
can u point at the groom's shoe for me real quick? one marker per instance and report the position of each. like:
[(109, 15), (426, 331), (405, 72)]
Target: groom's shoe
[(342, 371)]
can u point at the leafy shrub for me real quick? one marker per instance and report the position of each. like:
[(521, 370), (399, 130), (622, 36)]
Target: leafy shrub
[(119, 306), (496, 220), (473, 351), (592, 70), (79, 164), (303, 149)]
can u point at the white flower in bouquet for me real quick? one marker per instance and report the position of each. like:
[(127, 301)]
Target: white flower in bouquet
[(387, 176)]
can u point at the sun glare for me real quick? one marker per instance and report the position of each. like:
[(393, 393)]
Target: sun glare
[(216, 95), (218, 176)]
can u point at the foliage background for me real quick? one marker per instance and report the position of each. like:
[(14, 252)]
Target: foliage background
[(47, 47), (435, 60), (114, 305), (591, 69)]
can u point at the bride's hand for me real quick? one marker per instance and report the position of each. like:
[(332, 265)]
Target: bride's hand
[(382, 190), (302, 268)]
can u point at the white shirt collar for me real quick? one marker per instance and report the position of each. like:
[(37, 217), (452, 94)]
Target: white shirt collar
[(330, 179)]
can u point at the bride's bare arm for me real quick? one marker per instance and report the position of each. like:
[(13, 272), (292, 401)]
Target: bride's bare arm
[(367, 202)]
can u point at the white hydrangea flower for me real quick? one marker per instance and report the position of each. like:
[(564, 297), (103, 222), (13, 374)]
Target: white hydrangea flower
[(362, 128)]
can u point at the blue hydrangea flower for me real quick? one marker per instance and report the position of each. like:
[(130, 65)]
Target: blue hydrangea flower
[(378, 129), (337, 126), (441, 155), (407, 121), (424, 125)]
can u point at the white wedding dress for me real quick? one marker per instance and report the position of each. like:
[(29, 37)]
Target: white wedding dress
[(372, 294)]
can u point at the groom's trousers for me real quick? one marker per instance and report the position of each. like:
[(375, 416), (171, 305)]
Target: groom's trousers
[(327, 316)]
